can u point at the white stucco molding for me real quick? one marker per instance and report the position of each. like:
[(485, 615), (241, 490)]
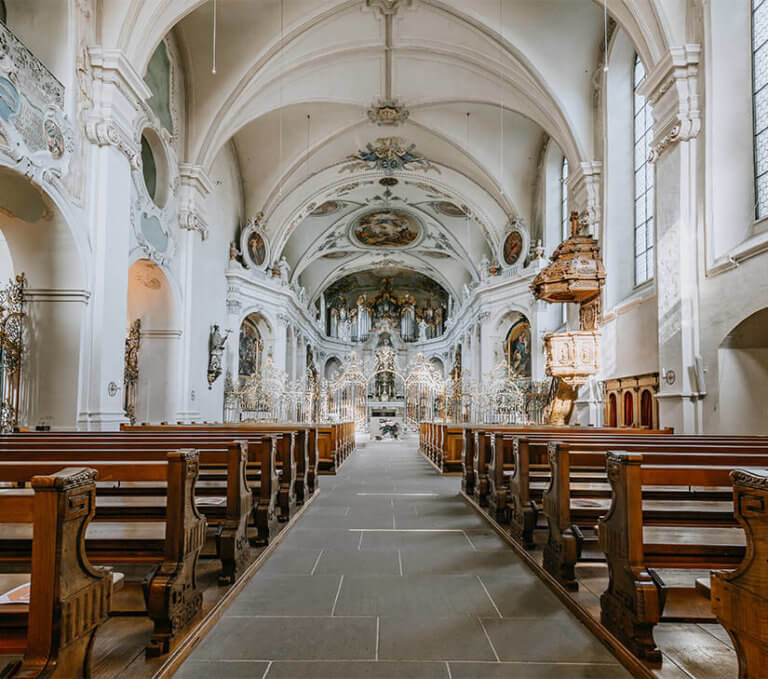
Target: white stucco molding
[(117, 91), (196, 185), (672, 90), (52, 295)]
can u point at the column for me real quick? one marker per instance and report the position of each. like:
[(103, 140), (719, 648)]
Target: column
[(486, 344), (112, 153), (671, 89)]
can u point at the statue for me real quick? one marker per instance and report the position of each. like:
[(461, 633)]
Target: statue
[(285, 270), (484, 266), (234, 253), (422, 330), (216, 343)]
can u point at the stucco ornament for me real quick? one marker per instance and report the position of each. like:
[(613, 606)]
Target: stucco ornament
[(36, 136)]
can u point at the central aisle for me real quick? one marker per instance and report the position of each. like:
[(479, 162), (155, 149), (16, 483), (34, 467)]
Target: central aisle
[(388, 575)]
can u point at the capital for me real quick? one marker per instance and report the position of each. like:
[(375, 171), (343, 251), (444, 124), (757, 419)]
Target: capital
[(671, 88)]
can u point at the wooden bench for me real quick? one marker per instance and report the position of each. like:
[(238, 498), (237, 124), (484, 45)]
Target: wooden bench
[(69, 598), (740, 596), (634, 601), (172, 545), (297, 468), (268, 503), (566, 517)]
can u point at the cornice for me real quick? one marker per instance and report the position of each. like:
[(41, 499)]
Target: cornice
[(113, 67), (672, 91)]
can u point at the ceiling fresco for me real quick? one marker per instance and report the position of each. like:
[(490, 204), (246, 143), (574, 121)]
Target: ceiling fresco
[(386, 229)]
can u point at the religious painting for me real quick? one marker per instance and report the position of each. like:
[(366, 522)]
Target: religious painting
[(386, 228), (513, 247), (55, 139), (250, 348), (517, 348), (253, 245)]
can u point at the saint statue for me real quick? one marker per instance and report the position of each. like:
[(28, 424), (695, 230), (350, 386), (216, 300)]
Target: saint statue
[(216, 343)]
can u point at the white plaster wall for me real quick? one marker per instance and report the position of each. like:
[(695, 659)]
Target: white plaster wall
[(743, 390), (726, 300), (618, 234), (629, 342), (151, 299), (209, 293), (730, 195), (44, 27)]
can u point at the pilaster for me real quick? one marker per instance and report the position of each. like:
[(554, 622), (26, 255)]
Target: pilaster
[(672, 90), (112, 153)]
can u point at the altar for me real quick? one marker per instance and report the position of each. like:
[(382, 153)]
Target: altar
[(386, 417)]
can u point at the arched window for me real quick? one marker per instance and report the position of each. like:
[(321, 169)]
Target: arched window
[(564, 221), (644, 193), (760, 103), (613, 415), (629, 409), (646, 409)]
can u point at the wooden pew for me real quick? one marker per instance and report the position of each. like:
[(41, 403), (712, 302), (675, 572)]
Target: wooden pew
[(261, 456), (565, 538), (511, 457), (634, 601), (69, 598), (740, 596), (295, 462), (172, 594)]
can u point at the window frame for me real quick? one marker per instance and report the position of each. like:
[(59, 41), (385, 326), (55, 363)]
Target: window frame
[(755, 5), (564, 222), (646, 253)]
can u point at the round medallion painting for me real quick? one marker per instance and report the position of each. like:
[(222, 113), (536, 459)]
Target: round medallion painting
[(387, 228), (513, 247)]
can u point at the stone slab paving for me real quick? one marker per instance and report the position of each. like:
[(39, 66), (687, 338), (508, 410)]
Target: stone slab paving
[(391, 575)]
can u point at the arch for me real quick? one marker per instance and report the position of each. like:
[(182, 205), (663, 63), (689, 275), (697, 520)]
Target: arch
[(438, 364), (40, 243), (743, 376), (517, 348), (613, 411), (250, 347), (646, 409), (152, 301), (138, 26), (629, 409), (332, 366)]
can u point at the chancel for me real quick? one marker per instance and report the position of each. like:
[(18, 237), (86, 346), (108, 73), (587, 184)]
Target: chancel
[(383, 339)]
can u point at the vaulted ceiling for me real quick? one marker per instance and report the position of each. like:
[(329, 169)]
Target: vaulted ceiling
[(482, 86)]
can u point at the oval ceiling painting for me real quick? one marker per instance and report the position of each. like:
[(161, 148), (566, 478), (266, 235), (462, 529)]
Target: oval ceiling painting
[(386, 229), (513, 247)]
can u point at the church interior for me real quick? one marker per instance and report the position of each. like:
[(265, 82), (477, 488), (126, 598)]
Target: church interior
[(383, 338)]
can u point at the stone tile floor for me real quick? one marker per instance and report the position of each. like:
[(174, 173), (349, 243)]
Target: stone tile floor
[(391, 575)]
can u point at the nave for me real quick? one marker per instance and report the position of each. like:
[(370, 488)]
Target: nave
[(390, 573)]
